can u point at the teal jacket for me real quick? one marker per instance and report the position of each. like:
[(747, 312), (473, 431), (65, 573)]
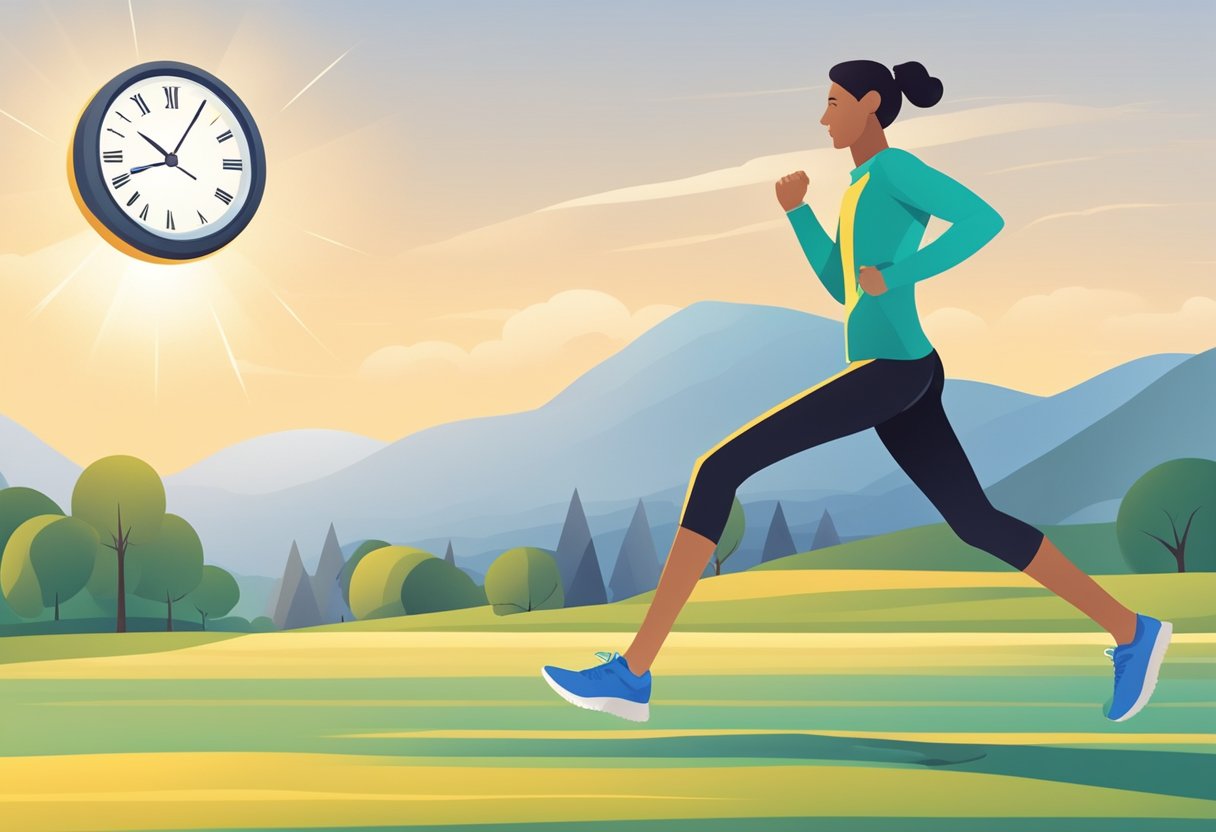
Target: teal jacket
[(882, 221)]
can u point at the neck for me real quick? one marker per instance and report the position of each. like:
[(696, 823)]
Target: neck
[(871, 141)]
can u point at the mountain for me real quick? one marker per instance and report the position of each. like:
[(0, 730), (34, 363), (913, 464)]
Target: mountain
[(27, 460), (277, 460)]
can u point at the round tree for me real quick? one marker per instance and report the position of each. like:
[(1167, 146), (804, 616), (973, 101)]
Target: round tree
[(348, 568), (524, 579), (172, 565), (48, 560), (434, 585), (123, 499), (1167, 519), (19, 504), (216, 594), (375, 585)]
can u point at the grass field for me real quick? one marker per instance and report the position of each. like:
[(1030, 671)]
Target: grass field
[(913, 728)]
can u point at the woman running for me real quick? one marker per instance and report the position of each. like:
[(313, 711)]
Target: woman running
[(893, 383)]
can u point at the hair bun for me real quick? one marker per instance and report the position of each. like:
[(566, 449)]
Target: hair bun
[(917, 84)]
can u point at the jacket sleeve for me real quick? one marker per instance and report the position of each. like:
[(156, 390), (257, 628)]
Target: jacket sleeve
[(924, 189), (822, 252)]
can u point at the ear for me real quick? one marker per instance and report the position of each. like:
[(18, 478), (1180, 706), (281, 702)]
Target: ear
[(870, 101)]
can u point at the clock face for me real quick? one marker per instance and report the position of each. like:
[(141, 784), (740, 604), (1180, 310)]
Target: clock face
[(167, 163), (175, 158)]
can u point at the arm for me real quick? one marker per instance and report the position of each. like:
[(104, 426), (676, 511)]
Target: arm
[(821, 251), (923, 189)]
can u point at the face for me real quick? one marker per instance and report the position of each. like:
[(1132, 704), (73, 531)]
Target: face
[(188, 193), (846, 117)]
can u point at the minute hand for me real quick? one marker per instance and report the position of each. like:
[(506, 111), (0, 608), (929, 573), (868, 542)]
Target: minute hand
[(196, 115), (163, 152)]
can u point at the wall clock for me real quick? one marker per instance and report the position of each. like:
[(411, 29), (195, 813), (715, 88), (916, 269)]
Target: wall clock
[(166, 163)]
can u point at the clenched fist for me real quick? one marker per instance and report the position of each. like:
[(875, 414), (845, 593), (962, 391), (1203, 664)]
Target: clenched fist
[(791, 189)]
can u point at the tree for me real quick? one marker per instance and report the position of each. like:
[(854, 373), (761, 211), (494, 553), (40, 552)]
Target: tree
[(587, 588), (637, 564), (19, 504), (572, 543), (123, 499), (349, 568), (331, 602), (172, 565), (1167, 519), (732, 535), (296, 605), (375, 586), (48, 559), (524, 579), (449, 555), (216, 594), (826, 534), (434, 585), (779, 543)]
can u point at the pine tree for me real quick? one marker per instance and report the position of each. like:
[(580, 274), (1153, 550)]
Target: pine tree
[(779, 543), (826, 534), (637, 565), (572, 544), (588, 585), (328, 592), (296, 606), (450, 556)]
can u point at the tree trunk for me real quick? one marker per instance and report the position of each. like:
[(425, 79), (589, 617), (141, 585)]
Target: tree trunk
[(169, 617), (120, 548), (204, 618), (56, 606), (717, 567), (1181, 558)]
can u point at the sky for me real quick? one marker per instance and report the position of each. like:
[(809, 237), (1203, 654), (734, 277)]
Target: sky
[(469, 204)]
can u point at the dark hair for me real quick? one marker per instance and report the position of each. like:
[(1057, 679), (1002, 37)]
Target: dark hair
[(911, 79)]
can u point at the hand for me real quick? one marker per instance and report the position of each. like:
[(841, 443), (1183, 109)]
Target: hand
[(142, 168), (196, 115), (791, 189), (163, 152), (871, 280)]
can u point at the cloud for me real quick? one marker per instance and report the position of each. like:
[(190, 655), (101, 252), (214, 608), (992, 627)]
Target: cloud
[(536, 335), (922, 131), (743, 94), (1117, 206), (1194, 321), (704, 238), (1070, 308), (950, 322)]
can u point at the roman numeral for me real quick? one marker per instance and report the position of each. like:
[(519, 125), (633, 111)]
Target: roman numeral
[(143, 107), (124, 118), (112, 156), (121, 180), (225, 136), (169, 226), (223, 196), (116, 133), (143, 215), (133, 198), (171, 97), (233, 164), (202, 220)]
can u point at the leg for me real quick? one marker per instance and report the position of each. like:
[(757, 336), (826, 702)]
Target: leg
[(924, 444), (859, 397)]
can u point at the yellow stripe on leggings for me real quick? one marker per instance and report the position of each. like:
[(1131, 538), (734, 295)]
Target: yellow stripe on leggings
[(696, 469)]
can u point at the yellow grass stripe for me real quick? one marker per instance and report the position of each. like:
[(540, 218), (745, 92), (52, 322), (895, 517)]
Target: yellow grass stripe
[(220, 790), (990, 738)]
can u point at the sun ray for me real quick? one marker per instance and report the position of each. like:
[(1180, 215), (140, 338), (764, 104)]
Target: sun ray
[(105, 322), (156, 363), (315, 80), (134, 34), (303, 326), (228, 349), (51, 295), (334, 242), (9, 115)]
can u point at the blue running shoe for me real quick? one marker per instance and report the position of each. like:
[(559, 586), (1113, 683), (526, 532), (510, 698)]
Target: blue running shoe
[(1136, 666), (610, 687)]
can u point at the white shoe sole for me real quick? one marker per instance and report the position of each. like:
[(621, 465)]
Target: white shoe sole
[(1150, 675), (633, 711)]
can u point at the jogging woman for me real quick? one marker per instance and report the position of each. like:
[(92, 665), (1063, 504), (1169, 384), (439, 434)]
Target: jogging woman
[(892, 382)]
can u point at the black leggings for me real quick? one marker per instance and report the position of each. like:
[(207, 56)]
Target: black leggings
[(900, 399)]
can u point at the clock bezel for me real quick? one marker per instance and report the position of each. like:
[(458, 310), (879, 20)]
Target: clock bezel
[(89, 183)]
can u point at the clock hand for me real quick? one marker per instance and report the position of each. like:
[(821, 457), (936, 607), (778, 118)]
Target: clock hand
[(196, 115), (163, 152), (145, 167), (188, 173)]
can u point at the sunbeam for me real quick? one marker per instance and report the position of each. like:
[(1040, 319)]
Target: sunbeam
[(303, 326), (334, 242), (9, 115), (315, 80), (134, 34), (51, 295), (155, 363), (228, 349)]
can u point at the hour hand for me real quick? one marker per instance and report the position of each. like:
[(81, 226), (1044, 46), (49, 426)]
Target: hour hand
[(163, 152), (145, 167)]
